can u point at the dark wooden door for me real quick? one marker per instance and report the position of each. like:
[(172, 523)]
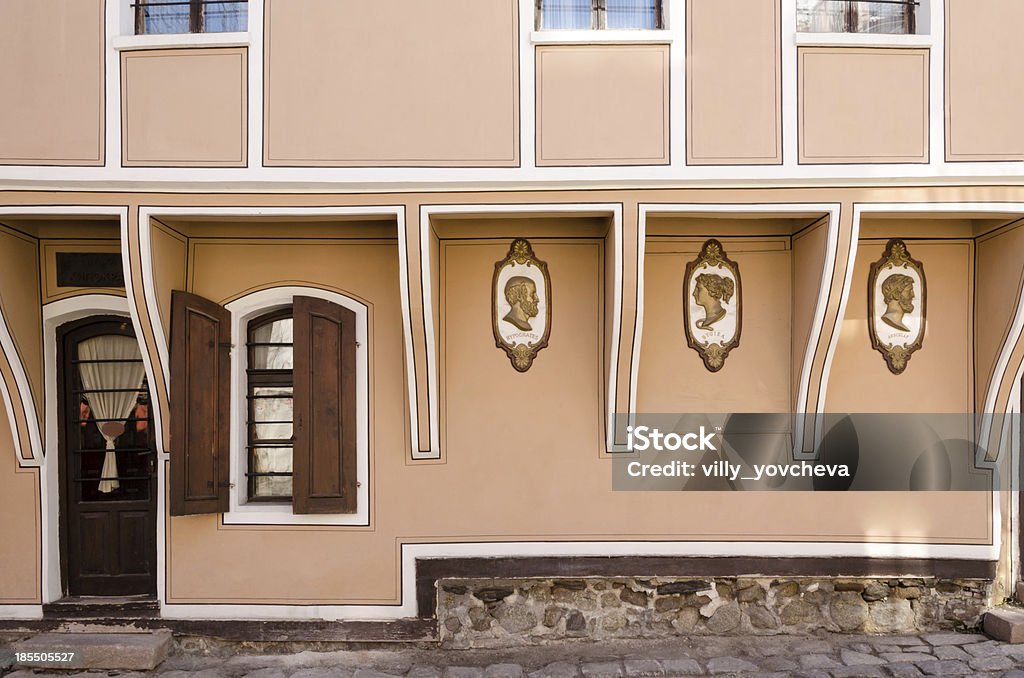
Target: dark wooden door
[(108, 534)]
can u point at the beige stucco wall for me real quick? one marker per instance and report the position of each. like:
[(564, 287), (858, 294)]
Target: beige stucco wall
[(170, 265), (984, 64), (20, 301), (756, 375), (184, 107), (51, 82), (939, 377), (602, 105), (20, 549), (809, 251), (1000, 262), (740, 124), (400, 83), (862, 105)]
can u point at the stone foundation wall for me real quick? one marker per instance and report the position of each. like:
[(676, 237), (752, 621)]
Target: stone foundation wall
[(492, 613)]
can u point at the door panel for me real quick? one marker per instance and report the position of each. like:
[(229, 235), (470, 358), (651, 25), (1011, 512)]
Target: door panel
[(107, 462)]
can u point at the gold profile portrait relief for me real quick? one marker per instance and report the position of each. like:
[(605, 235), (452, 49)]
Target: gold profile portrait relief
[(712, 305), (521, 304), (897, 296)]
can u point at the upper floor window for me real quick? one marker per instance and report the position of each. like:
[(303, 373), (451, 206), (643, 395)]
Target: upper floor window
[(599, 14), (190, 16), (850, 16)]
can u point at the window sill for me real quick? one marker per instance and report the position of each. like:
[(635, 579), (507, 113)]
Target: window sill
[(658, 37), (258, 513), (176, 40), (862, 40)]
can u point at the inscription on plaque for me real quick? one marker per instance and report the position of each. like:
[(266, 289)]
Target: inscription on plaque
[(89, 269)]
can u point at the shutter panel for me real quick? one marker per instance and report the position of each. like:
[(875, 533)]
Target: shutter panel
[(324, 462), (200, 405)]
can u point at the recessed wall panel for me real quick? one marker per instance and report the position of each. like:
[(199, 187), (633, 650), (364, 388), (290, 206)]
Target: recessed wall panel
[(738, 124), (184, 107), (602, 105), (51, 82), (863, 105), (405, 83), (984, 65)]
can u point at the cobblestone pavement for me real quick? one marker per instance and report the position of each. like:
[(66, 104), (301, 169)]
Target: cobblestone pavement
[(823, 656)]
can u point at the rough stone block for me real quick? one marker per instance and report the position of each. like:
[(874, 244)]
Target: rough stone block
[(132, 651), (643, 668), (945, 668), (1006, 624), (726, 665), (602, 670), (682, 667)]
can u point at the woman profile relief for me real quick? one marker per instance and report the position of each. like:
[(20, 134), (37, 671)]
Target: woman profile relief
[(709, 292)]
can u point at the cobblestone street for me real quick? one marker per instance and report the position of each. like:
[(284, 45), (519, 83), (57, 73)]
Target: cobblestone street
[(824, 656)]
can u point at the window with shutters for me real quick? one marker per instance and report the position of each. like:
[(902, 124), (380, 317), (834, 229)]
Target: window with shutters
[(272, 427)]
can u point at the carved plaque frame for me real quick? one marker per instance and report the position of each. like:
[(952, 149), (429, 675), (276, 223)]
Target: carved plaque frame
[(896, 259), (515, 330), (713, 345)]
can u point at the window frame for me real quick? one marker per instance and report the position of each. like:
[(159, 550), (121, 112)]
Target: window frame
[(196, 16), (244, 512), (914, 10), (599, 18), (263, 379)]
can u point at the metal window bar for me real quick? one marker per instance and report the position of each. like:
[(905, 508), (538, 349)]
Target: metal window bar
[(270, 474), (93, 479), (111, 361), (140, 451), (110, 390), (129, 419)]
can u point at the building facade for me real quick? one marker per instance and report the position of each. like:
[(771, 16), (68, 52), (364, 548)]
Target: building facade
[(250, 305)]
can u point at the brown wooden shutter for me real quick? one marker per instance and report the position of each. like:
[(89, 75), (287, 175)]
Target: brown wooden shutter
[(325, 407), (200, 405)]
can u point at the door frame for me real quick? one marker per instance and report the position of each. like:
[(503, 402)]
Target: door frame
[(64, 489)]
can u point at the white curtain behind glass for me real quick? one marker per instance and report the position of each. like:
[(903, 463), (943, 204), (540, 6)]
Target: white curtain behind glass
[(117, 405), (629, 14), (565, 14), (273, 459)]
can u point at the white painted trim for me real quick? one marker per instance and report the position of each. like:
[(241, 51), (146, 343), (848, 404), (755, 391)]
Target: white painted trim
[(833, 343), (678, 113), (426, 266), (412, 552), (861, 40), (605, 37), (7, 341), (180, 40), (21, 611), (55, 314), (790, 94), (242, 512), (830, 210), (937, 82), (527, 90)]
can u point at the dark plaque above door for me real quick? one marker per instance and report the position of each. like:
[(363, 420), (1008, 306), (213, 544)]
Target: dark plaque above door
[(89, 269)]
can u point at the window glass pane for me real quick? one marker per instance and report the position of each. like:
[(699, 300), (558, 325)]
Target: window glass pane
[(565, 14), (163, 16), (225, 17), (271, 357), (272, 403), (623, 14), (271, 460), (821, 16), (271, 431), (883, 17)]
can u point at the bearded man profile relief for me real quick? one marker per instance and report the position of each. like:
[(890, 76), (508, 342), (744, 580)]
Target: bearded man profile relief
[(898, 295), (709, 292), (521, 295)]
